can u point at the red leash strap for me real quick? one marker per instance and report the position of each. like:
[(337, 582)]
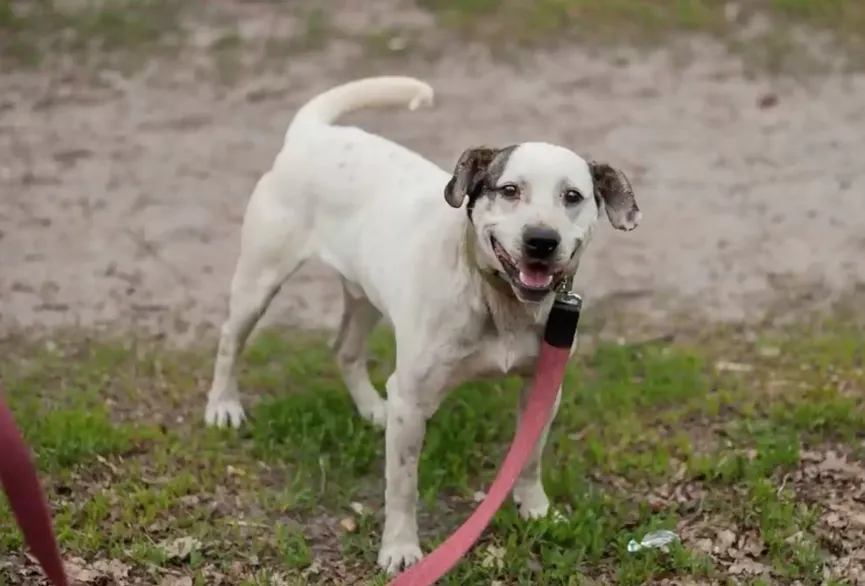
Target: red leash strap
[(550, 371), (21, 483)]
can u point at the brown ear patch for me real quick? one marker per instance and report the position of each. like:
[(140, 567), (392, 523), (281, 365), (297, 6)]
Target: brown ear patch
[(470, 167), (477, 167), (614, 192)]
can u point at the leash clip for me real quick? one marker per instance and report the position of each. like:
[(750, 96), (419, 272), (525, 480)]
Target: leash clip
[(561, 328), (569, 298)]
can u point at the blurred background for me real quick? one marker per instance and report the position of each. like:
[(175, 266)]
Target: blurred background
[(132, 132)]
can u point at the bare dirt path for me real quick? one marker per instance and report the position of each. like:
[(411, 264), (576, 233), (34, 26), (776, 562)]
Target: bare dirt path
[(122, 203)]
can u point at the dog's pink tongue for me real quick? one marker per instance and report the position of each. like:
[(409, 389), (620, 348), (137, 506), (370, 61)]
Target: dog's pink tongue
[(535, 278)]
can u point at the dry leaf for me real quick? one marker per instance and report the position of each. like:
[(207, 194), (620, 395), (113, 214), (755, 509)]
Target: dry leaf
[(181, 547), (176, 581), (114, 568), (349, 524), (746, 566), (858, 518), (726, 539), (835, 520), (78, 572), (312, 569)]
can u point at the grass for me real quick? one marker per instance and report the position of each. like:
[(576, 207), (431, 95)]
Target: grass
[(769, 36), (750, 451), (31, 30), (545, 20), (123, 33)]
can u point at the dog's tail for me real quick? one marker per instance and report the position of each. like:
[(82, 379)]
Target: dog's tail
[(327, 107)]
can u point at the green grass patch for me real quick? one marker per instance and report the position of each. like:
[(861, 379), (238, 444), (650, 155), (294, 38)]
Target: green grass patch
[(33, 30), (123, 34), (742, 448), (548, 20), (769, 36)]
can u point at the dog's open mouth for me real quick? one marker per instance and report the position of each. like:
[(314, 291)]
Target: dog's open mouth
[(532, 278)]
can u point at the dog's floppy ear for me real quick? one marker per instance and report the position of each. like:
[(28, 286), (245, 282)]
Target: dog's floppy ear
[(467, 174), (613, 189)]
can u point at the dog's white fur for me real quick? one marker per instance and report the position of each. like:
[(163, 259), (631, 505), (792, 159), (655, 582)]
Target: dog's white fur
[(373, 211)]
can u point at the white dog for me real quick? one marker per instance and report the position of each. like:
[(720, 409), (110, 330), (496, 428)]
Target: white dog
[(466, 290)]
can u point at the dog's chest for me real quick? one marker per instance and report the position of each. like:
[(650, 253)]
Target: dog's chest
[(497, 355)]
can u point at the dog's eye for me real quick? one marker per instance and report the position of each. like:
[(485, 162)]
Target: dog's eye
[(572, 196), (510, 191)]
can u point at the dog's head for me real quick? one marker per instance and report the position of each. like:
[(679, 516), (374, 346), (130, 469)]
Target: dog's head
[(533, 208)]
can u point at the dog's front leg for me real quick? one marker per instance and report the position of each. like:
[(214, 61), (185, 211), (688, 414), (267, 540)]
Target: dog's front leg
[(529, 493), (404, 436)]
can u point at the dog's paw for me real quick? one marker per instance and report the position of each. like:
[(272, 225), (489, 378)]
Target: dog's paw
[(225, 413), (529, 513), (375, 413), (398, 557), (532, 503), (538, 513)]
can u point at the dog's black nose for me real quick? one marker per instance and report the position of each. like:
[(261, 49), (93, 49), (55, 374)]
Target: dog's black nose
[(540, 242)]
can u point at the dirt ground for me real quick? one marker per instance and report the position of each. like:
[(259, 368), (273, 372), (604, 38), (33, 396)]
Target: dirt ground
[(122, 200)]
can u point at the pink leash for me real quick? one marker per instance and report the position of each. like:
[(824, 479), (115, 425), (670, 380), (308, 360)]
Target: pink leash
[(550, 371), (26, 498)]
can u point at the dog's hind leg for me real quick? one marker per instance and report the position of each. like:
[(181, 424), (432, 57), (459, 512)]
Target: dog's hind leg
[(359, 317), (274, 245)]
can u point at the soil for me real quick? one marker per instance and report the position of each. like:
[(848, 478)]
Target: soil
[(123, 196)]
